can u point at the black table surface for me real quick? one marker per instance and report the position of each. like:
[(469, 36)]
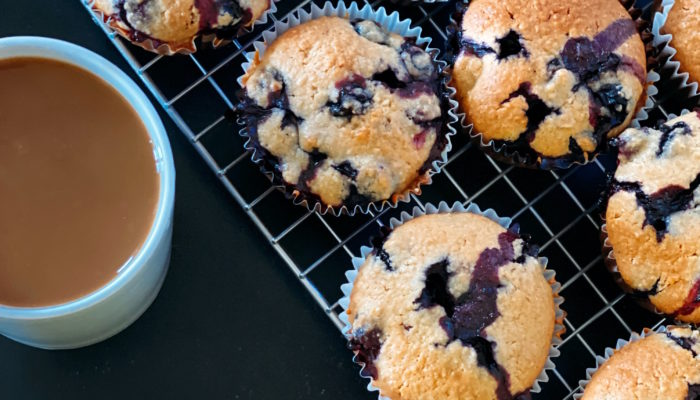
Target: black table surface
[(231, 321)]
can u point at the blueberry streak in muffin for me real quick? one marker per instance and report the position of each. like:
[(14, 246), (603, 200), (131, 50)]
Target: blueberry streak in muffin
[(653, 215), (177, 23), (421, 296), (345, 129), (468, 316), (546, 84)]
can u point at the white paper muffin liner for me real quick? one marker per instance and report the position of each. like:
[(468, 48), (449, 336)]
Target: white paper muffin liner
[(611, 263), (393, 23), (164, 48), (609, 352), (444, 208), (491, 148), (667, 52)]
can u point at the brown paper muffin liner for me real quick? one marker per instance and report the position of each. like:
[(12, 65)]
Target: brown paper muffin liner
[(168, 49), (500, 153), (667, 53), (394, 24), (444, 208)]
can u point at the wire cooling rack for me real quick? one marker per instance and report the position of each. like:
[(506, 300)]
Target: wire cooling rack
[(558, 208)]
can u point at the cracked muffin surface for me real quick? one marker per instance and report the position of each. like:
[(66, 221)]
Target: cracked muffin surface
[(178, 22), (659, 366), (345, 113), (653, 215), (548, 80), (451, 306)]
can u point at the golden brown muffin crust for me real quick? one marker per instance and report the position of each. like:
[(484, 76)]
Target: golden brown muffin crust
[(656, 250), (684, 24), (418, 359), (364, 104), (178, 22), (655, 367), (518, 74)]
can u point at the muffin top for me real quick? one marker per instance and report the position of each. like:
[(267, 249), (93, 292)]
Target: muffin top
[(683, 23), (549, 80), (178, 22), (660, 366), (452, 306), (653, 215), (346, 112)]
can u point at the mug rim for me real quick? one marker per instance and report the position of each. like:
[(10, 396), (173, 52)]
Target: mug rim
[(59, 50)]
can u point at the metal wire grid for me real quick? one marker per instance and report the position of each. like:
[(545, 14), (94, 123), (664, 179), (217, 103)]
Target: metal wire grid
[(559, 208)]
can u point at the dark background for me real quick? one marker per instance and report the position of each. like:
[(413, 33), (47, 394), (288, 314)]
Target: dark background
[(230, 323)]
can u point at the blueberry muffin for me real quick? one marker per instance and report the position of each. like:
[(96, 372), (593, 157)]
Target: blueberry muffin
[(177, 23), (546, 82), (452, 306), (662, 365), (344, 113), (683, 23), (653, 215)]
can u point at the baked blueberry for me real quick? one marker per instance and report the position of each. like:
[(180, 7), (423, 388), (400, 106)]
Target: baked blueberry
[(546, 83), (344, 113), (663, 365), (452, 306), (176, 23), (653, 215)]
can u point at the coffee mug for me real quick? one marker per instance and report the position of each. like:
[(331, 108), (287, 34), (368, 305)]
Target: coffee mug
[(115, 306)]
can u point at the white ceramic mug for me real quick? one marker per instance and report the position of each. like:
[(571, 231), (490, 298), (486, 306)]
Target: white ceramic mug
[(115, 306)]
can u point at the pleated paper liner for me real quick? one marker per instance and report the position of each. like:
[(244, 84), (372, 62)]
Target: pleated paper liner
[(609, 352), (611, 263), (393, 23), (681, 81), (444, 208), (168, 49), (501, 153)]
